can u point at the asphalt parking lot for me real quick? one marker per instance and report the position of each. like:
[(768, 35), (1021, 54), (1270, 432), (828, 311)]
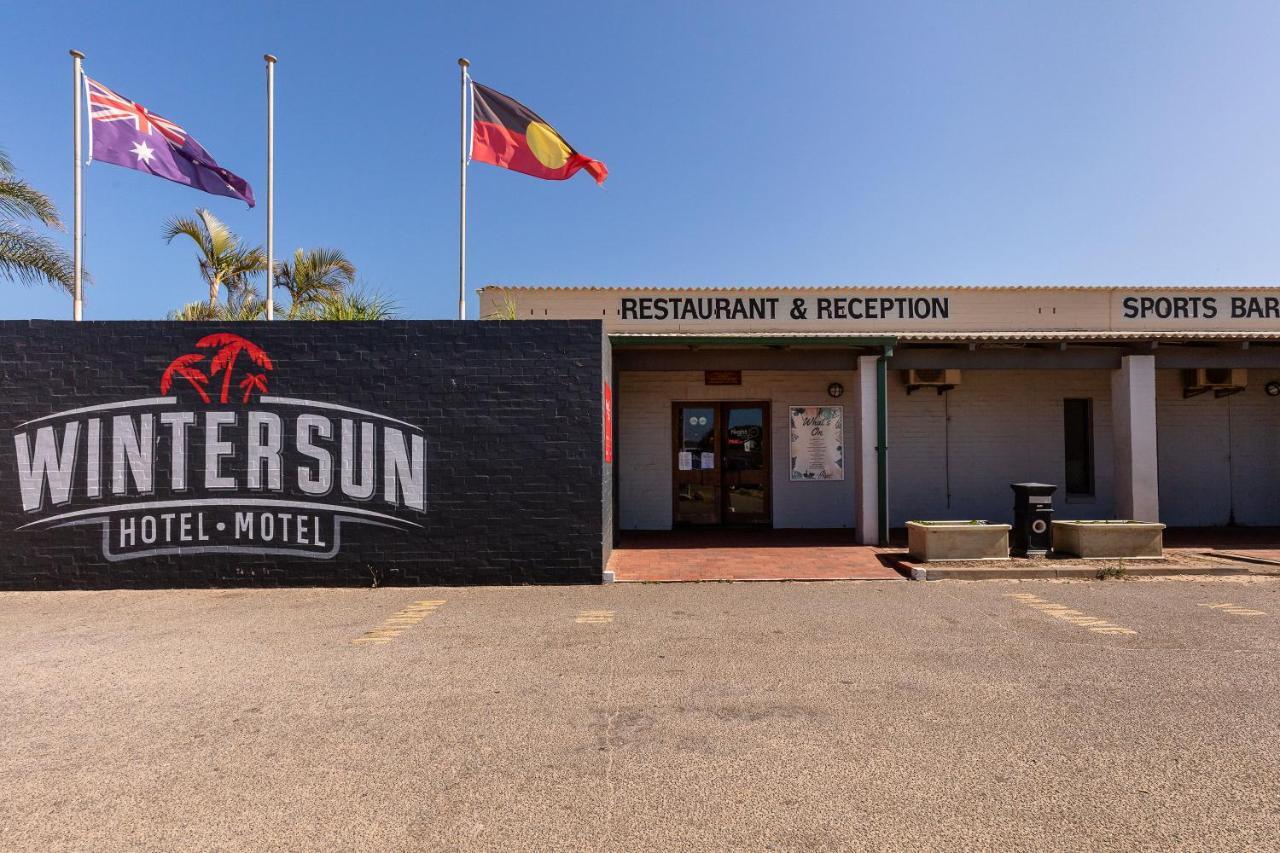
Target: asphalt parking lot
[(1137, 714)]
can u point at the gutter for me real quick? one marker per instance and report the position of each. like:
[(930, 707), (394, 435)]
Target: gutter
[(684, 341)]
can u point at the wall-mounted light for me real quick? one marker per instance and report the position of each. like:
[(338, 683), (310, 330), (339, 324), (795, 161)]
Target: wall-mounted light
[(835, 389)]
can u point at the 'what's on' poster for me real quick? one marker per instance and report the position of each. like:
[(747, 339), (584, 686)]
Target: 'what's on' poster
[(817, 443)]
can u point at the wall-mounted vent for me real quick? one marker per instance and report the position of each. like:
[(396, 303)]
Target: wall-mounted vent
[(1222, 381), (941, 379)]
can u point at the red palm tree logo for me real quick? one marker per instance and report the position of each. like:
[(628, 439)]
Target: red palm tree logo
[(182, 366), (252, 382), (229, 347)]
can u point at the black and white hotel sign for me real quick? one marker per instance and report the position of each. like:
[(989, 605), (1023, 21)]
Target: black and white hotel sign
[(215, 464), (682, 308)]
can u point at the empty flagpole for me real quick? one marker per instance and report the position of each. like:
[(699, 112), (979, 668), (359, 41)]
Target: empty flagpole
[(462, 200), (77, 305), (271, 184)]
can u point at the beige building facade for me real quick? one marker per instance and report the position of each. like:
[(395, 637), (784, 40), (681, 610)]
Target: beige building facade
[(866, 407)]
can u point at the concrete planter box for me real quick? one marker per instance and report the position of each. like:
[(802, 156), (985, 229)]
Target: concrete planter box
[(957, 540), (1112, 539)]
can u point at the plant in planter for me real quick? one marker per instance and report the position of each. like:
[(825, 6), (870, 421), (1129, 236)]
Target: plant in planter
[(930, 541), (1120, 539)]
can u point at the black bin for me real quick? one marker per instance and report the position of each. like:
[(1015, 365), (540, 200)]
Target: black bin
[(1032, 531)]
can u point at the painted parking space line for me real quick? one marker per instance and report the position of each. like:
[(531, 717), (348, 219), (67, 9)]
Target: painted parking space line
[(595, 617), (1233, 609), (1069, 615), (394, 625)]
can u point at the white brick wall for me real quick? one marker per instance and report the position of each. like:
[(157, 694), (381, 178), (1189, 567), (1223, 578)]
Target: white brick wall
[(1219, 458), (1005, 427), (644, 443)]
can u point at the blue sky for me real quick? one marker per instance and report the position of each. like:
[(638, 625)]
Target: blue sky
[(748, 143)]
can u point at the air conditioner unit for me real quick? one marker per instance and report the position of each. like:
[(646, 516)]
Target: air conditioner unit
[(942, 379), (1220, 380)]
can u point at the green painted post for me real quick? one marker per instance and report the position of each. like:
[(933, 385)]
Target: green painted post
[(882, 444)]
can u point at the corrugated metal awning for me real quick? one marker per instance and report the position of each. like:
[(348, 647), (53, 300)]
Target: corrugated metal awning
[(693, 337), (694, 290)]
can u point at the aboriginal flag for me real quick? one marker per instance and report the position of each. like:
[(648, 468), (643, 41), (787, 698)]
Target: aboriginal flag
[(506, 133)]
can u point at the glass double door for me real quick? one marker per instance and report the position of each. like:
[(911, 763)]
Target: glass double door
[(720, 463)]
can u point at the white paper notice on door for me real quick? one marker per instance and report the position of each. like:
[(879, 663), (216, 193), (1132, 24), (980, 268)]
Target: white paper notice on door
[(708, 461), (686, 460)]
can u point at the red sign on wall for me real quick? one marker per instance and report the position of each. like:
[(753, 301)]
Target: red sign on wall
[(608, 423)]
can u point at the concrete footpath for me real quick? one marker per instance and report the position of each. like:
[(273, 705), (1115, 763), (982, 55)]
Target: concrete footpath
[(1032, 715)]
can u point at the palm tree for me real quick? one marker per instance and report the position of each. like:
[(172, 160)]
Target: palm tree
[(26, 256), (253, 382), (313, 276), (352, 305), (223, 261), (240, 305), (184, 366), (229, 346)]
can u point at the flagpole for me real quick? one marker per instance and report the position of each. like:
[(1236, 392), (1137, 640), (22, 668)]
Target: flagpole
[(463, 64), (77, 305), (271, 183)]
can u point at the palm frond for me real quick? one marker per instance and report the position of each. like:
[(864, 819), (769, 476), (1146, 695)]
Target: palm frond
[(245, 262), (29, 258), (219, 339), (221, 239), (238, 269), (258, 355), (242, 292), (330, 266), (250, 309), (351, 306), (26, 256), (225, 356), (223, 261), (180, 365), (194, 374), (252, 382), (184, 225), (312, 276), (21, 200), (507, 310), (195, 311)]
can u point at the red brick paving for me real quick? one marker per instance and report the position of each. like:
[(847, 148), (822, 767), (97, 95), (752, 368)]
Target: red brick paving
[(724, 554), (1223, 538), (746, 555), (1249, 543), (1263, 555)]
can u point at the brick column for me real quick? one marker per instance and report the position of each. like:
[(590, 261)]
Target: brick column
[(865, 463), (1133, 405)]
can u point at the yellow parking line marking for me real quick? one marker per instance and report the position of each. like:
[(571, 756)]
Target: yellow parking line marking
[(1234, 609), (1068, 614), (394, 625), (594, 617)]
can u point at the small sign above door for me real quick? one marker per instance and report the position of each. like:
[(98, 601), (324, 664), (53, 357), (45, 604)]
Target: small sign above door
[(722, 377)]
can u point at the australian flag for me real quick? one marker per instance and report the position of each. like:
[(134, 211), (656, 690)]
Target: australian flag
[(127, 134)]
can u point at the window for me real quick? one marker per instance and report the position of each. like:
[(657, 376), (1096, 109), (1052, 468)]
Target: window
[(1077, 431)]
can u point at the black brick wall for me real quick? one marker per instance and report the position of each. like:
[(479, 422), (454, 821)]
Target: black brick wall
[(510, 411)]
